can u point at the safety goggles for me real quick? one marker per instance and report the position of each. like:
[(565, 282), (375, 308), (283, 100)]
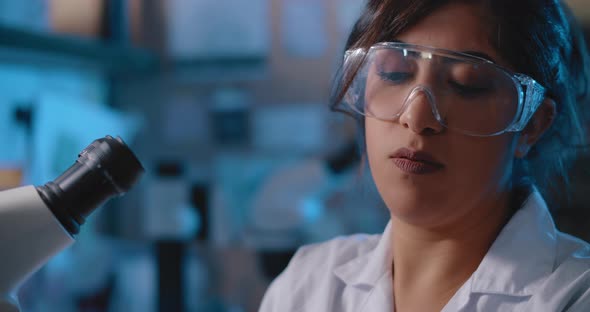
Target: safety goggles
[(466, 93)]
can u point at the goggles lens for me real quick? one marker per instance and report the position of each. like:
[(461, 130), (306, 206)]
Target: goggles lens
[(466, 93)]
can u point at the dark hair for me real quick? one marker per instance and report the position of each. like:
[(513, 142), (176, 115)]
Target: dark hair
[(539, 38)]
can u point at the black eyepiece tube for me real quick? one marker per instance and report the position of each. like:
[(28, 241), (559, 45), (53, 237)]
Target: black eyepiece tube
[(104, 169)]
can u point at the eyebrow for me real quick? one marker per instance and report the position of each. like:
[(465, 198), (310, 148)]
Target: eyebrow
[(480, 54), (470, 52)]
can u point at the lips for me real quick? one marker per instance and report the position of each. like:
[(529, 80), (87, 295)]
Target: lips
[(415, 162)]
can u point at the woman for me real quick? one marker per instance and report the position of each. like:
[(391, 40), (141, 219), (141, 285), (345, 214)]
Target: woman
[(466, 107)]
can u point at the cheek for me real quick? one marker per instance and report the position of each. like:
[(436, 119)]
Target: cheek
[(376, 141), (381, 140), (485, 162)]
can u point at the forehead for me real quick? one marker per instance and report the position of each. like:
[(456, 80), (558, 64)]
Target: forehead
[(458, 27)]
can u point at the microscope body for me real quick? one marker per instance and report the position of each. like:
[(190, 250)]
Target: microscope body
[(37, 222), (30, 234)]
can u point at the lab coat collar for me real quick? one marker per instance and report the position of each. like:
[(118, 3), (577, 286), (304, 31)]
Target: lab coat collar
[(368, 268), (523, 255), (518, 261)]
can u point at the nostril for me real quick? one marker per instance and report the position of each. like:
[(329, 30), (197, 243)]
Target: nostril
[(430, 131)]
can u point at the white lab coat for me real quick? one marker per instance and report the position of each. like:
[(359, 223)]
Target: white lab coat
[(530, 267)]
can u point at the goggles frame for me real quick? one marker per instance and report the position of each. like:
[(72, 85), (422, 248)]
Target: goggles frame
[(530, 93)]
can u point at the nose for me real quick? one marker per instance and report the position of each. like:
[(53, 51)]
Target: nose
[(419, 113)]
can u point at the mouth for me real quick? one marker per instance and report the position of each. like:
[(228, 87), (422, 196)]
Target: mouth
[(415, 162)]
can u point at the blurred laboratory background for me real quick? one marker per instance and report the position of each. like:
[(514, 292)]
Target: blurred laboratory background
[(225, 102)]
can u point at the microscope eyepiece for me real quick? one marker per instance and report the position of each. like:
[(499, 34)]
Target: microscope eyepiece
[(114, 160), (106, 168)]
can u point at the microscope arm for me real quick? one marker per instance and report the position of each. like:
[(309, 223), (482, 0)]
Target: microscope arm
[(30, 237)]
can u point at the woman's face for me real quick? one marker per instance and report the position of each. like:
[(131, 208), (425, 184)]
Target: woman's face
[(473, 169)]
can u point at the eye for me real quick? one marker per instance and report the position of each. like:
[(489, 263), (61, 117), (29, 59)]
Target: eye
[(471, 80), (392, 67), (470, 89), (394, 77)]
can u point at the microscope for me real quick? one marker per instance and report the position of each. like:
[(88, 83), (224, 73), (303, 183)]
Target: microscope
[(37, 222)]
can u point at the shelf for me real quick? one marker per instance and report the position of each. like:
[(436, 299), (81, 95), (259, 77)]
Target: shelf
[(220, 69), (29, 46)]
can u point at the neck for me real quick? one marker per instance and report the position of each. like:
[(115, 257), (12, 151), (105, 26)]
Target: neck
[(434, 262)]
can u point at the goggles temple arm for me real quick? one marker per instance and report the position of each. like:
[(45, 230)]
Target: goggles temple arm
[(533, 95)]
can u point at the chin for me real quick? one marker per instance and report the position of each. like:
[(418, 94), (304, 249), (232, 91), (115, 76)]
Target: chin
[(413, 200), (413, 188)]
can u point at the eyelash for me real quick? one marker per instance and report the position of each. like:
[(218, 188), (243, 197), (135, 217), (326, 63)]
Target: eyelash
[(468, 91), (461, 89), (395, 77)]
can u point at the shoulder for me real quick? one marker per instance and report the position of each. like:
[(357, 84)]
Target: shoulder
[(567, 288), (332, 253), (310, 271)]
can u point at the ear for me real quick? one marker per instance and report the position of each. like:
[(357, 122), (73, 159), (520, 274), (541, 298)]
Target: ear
[(538, 124)]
